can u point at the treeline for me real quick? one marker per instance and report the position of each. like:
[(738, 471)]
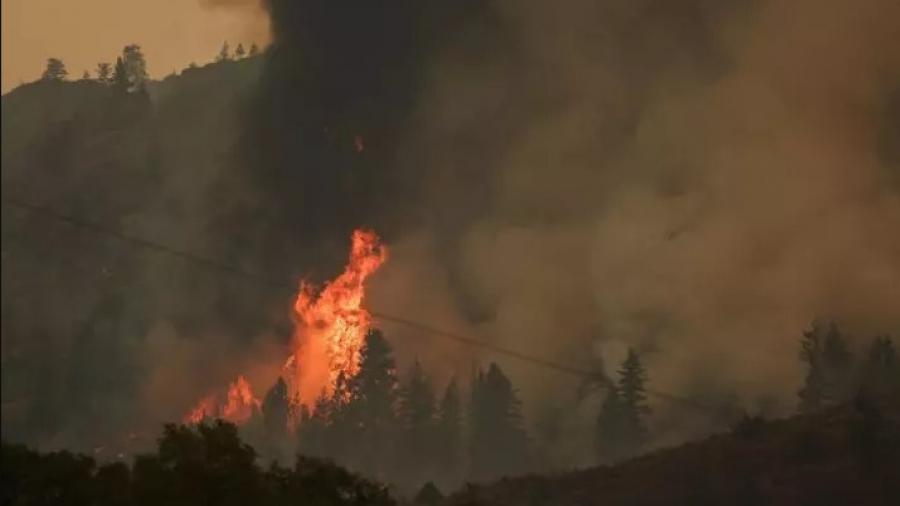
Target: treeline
[(130, 70), (835, 376), (403, 431), (204, 464)]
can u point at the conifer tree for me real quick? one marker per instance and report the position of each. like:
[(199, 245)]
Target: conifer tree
[(417, 425), (254, 50), (371, 408), (448, 434), (104, 73), (836, 360), (881, 372), (610, 437), (239, 52), (498, 444), (55, 70), (276, 410), (120, 80), (224, 53), (813, 392), (633, 397)]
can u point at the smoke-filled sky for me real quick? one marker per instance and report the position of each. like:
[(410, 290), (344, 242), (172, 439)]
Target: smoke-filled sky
[(173, 33)]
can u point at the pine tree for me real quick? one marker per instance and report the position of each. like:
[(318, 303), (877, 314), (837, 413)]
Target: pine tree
[(239, 52), (881, 372), (254, 50), (417, 423), (813, 392), (499, 444), (371, 408), (828, 378), (120, 78), (135, 66), (55, 70), (224, 53), (836, 360), (610, 439), (633, 397), (276, 411), (86, 76), (448, 435), (104, 73)]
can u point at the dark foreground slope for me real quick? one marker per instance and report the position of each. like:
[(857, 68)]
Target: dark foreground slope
[(842, 457)]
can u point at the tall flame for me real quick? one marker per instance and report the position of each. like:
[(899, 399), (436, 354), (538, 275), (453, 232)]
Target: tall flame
[(330, 327), (331, 323)]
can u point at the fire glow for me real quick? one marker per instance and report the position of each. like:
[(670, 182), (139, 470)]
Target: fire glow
[(330, 325)]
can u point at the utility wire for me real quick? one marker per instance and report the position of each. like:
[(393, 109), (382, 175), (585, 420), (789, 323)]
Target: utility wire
[(427, 329)]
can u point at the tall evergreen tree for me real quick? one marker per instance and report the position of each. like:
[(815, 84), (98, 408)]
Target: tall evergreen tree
[(836, 360), (240, 52), (55, 70), (104, 73), (828, 379), (448, 435), (371, 408), (224, 53), (611, 431), (417, 424), (120, 80), (498, 444), (135, 66), (881, 371), (813, 392), (633, 398), (276, 411)]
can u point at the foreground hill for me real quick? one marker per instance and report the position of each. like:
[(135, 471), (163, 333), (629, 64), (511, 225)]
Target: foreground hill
[(845, 456)]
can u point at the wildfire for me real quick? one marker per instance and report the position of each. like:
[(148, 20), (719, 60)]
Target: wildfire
[(330, 326), (237, 407)]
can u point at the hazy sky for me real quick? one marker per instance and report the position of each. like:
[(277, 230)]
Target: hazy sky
[(173, 33)]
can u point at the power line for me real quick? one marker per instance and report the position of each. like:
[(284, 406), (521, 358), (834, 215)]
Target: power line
[(427, 329)]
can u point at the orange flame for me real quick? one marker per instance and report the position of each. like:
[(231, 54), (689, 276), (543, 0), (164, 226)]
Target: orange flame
[(331, 325), (240, 404)]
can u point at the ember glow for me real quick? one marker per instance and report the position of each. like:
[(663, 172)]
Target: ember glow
[(238, 405), (330, 325)]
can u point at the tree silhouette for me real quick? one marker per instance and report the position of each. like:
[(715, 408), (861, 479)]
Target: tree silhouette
[(224, 53), (611, 429), (828, 377), (55, 70), (633, 397), (417, 425), (104, 73), (254, 50), (276, 411), (812, 393), (498, 444), (239, 52), (836, 360), (120, 80), (371, 409), (448, 434), (881, 371), (135, 66)]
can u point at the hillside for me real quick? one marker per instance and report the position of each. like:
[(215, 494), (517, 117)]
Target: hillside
[(843, 456), (151, 165)]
